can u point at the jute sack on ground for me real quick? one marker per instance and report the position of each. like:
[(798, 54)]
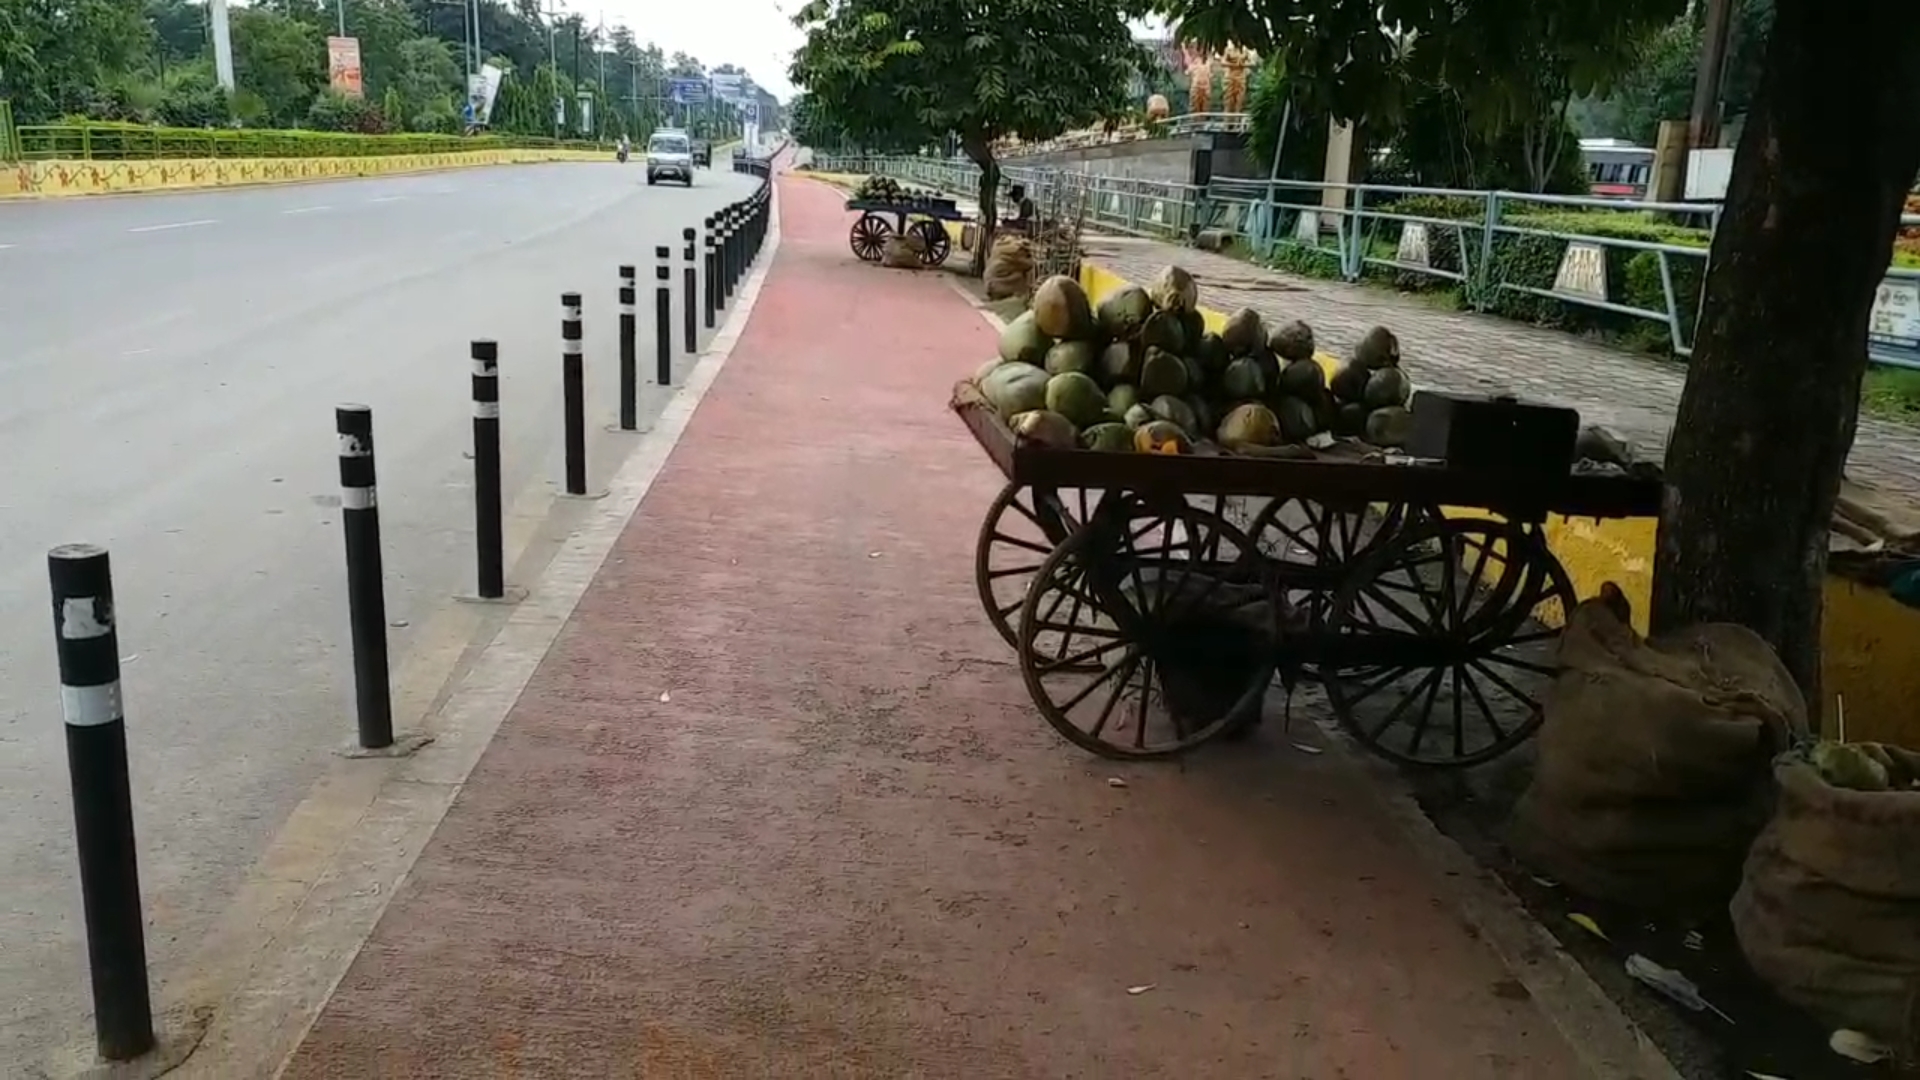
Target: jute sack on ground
[(1652, 772), (902, 252), (1828, 911), (1009, 267)]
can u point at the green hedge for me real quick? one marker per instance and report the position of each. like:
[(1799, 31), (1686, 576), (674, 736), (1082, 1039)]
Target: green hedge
[(116, 142)]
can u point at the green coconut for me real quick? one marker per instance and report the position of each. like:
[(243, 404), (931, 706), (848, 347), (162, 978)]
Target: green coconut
[(1244, 332), (1203, 413), (1244, 380), (1120, 362), (1193, 327), (1162, 373), (1110, 438), (1077, 397), (1212, 354), (1175, 411), (986, 368), (1293, 341), (1138, 416), (1164, 330), (1068, 356), (1391, 426), (1296, 419), (1350, 419), (1349, 383), (1122, 397), (1022, 340), (1378, 349), (1196, 374), (1014, 388), (1173, 289), (1250, 424), (1060, 308), (1048, 429), (1301, 378), (1847, 765), (1122, 312), (1387, 386)]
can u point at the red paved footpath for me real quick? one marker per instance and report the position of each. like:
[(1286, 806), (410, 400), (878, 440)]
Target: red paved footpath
[(848, 846)]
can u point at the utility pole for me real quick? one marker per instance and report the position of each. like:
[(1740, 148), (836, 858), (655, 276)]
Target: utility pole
[(222, 45), (558, 104), (1703, 130)]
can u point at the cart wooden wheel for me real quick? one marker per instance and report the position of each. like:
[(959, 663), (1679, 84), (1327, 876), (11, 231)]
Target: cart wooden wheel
[(938, 245), (1312, 545), (1144, 635), (1455, 622), (1022, 527), (868, 237)]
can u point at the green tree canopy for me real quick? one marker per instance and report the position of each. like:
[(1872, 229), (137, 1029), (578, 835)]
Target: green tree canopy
[(906, 74)]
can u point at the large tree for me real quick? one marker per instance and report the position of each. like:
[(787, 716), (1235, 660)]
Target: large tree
[(1829, 149), (906, 74)]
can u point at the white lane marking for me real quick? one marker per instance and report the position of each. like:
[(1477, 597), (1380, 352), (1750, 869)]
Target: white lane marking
[(306, 210), (175, 225), (4, 247), (388, 198), (135, 352)]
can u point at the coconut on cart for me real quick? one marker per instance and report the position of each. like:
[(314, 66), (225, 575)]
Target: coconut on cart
[(1189, 514)]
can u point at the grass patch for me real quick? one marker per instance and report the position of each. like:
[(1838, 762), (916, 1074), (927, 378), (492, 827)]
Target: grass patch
[(1892, 393)]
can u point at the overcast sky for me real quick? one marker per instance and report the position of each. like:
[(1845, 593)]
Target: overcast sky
[(753, 34)]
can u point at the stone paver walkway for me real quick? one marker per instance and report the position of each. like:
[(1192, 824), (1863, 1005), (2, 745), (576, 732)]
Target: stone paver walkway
[(776, 804), (1633, 395)]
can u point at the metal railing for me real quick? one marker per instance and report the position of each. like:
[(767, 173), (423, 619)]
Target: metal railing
[(1362, 228), (139, 142)]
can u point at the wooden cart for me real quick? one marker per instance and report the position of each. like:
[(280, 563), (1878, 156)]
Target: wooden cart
[(922, 217), (1153, 599)]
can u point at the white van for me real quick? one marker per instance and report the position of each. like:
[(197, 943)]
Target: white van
[(670, 157)]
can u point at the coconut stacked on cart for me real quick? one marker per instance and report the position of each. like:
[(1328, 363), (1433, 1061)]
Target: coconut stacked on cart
[(1141, 372)]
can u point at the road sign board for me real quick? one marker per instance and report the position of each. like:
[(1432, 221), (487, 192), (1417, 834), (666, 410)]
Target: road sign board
[(687, 91)]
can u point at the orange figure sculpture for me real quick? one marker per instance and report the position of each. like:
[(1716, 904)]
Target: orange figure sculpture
[(1199, 81), (1237, 60)]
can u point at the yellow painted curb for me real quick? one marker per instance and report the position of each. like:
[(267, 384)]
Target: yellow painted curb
[(60, 179), (1870, 653)]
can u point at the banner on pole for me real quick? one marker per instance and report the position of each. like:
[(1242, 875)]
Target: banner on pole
[(343, 66), (687, 91)]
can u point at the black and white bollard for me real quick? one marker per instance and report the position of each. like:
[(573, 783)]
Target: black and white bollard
[(729, 247), (366, 587), (712, 272), (89, 655), (662, 316), (690, 327), (629, 351), (573, 387), (489, 536)]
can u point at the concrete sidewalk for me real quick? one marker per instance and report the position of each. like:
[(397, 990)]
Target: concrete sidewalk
[(776, 804)]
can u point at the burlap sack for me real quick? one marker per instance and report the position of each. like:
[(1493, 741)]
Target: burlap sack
[(902, 252), (1651, 777), (1009, 267), (1828, 911)]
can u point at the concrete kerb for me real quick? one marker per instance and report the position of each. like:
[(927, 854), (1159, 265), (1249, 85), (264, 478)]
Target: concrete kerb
[(1610, 1044), (262, 978)]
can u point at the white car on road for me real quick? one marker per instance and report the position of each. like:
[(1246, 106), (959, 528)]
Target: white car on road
[(670, 157)]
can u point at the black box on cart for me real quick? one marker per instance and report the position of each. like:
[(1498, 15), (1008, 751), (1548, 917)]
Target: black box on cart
[(1529, 444)]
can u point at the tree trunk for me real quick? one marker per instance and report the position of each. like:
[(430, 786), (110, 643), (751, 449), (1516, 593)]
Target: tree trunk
[(980, 152), (1773, 390)]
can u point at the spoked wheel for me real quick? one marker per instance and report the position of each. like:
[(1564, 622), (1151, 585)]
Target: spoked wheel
[(1022, 527), (1457, 621), (1145, 634), (868, 238), (1311, 546), (937, 244)]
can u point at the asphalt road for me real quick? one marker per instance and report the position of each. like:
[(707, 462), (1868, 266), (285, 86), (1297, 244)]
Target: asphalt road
[(168, 370)]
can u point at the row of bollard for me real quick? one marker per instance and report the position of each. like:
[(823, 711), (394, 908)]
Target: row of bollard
[(85, 627)]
